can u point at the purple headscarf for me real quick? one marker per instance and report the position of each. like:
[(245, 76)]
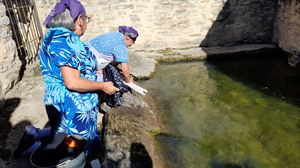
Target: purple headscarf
[(129, 31), (75, 7)]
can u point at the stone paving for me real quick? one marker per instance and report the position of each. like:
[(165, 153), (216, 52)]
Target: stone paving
[(24, 106)]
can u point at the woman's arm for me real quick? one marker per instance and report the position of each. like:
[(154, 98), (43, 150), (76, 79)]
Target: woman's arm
[(126, 73), (73, 82)]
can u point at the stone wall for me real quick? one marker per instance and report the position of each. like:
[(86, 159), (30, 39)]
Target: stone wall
[(10, 65), (287, 26), (181, 23)]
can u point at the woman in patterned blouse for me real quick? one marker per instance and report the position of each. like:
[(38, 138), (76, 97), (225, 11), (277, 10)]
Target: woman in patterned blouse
[(69, 71), (112, 46)]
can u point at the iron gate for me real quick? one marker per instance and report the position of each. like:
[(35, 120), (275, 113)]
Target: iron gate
[(25, 27)]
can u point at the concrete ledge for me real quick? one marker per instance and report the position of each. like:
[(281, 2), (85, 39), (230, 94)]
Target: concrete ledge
[(227, 50), (143, 63)]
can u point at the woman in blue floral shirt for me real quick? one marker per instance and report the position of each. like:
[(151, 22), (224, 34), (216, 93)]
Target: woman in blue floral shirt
[(69, 71)]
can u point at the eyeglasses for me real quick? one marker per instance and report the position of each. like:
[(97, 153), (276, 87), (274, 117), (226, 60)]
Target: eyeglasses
[(86, 18)]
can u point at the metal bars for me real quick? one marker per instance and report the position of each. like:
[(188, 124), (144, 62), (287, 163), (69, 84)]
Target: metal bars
[(25, 27)]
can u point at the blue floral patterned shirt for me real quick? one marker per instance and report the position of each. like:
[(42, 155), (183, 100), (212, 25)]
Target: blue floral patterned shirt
[(111, 45), (61, 47)]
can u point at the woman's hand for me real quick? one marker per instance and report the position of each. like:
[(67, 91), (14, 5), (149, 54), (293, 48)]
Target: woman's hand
[(109, 88)]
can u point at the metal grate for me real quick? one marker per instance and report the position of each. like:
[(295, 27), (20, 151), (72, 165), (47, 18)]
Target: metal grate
[(25, 27)]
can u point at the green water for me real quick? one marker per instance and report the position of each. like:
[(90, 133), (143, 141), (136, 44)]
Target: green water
[(227, 114)]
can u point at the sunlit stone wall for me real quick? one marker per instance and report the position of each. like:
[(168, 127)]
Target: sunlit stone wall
[(181, 23), (10, 64), (287, 26)]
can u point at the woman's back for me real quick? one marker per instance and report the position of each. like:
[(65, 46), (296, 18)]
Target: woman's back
[(111, 46), (62, 47)]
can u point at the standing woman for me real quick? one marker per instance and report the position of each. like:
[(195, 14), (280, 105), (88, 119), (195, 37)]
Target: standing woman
[(69, 72)]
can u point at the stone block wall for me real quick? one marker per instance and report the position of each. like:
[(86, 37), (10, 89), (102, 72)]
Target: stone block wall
[(287, 26), (180, 23), (10, 65)]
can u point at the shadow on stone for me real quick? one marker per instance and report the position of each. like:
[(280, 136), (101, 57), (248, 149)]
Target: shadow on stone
[(11, 135), (12, 143), (139, 156), (6, 111), (242, 22), (102, 134)]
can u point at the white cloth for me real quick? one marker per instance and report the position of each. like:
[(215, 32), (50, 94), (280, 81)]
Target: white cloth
[(101, 61), (137, 88)]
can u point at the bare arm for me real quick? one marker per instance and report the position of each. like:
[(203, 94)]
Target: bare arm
[(73, 82), (126, 72)]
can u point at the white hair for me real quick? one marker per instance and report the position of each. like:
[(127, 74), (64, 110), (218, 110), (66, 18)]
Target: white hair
[(63, 19)]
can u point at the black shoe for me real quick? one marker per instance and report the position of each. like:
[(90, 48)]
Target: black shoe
[(27, 142)]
